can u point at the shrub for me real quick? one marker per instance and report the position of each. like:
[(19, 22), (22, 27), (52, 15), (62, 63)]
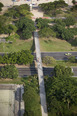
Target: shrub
[(31, 97), (72, 59), (48, 60), (47, 32), (69, 21), (22, 57), (9, 71)]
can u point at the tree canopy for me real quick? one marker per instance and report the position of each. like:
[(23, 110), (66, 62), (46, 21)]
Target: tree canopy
[(18, 11), (22, 57), (1, 5), (69, 21), (52, 7), (31, 97), (61, 91), (26, 26), (9, 71)]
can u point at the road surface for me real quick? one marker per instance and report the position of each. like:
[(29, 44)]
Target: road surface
[(23, 72), (56, 55)]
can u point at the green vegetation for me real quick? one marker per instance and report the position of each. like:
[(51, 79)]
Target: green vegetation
[(59, 9), (58, 29), (31, 97), (74, 7), (1, 5), (22, 57), (13, 32), (49, 60), (26, 27), (9, 71), (72, 59), (47, 32), (42, 23), (18, 11), (61, 30), (17, 45), (61, 92), (53, 8), (17, 80), (70, 21), (53, 44)]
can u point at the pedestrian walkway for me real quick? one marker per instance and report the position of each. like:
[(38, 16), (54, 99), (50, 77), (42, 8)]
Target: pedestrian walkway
[(40, 76)]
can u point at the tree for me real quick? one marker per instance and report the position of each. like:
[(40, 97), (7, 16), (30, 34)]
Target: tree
[(61, 91), (31, 102), (62, 71), (10, 29), (51, 7), (18, 11), (26, 34), (62, 32), (74, 1), (1, 5), (67, 35), (3, 22), (42, 23), (9, 71), (47, 32), (69, 21), (61, 95), (49, 60), (24, 57), (31, 96), (26, 26), (72, 59), (1, 59)]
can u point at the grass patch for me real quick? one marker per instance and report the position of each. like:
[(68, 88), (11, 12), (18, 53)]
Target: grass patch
[(54, 44), (11, 81), (63, 63), (18, 45)]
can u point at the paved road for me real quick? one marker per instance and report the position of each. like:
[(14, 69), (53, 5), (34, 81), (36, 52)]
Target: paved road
[(40, 76), (32, 71), (57, 55)]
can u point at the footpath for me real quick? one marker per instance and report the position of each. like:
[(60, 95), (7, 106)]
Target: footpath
[(40, 76), (42, 93)]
